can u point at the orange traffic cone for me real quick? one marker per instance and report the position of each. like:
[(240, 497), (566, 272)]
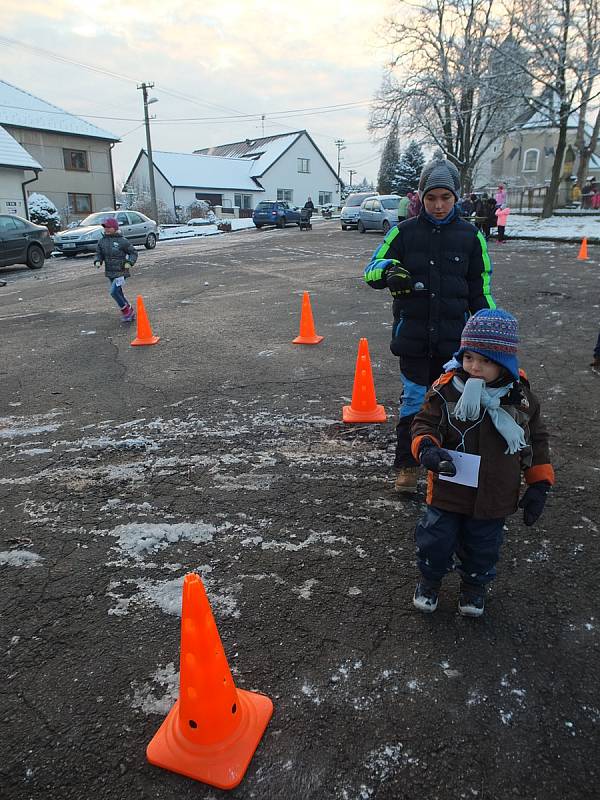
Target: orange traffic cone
[(214, 728), (308, 335), (144, 331), (583, 250), (364, 406)]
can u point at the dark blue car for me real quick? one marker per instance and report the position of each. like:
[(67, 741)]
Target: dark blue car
[(275, 212)]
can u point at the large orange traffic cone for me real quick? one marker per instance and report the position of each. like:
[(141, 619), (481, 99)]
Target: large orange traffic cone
[(214, 728), (144, 331), (308, 335), (364, 406), (582, 256)]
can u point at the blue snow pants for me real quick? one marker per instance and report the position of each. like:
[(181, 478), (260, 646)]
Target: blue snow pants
[(446, 541)]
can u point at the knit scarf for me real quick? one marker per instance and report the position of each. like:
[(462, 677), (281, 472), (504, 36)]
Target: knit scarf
[(475, 395)]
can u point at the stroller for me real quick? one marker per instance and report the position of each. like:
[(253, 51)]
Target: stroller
[(305, 224)]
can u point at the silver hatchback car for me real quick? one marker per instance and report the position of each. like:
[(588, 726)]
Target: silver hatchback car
[(379, 213), (134, 225)]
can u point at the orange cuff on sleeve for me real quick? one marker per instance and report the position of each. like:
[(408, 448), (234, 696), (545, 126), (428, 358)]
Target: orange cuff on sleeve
[(541, 472), (416, 443)]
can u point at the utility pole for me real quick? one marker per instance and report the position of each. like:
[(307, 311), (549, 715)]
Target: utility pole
[(144, 87), (352, 172), (339, 143), (262, 117)]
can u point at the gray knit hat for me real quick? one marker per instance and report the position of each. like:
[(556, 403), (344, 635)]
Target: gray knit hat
[(439, 173)]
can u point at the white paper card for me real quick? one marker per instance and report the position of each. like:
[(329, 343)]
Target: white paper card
[(467, 469)]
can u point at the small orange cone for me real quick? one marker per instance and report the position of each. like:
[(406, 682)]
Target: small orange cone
[(308, 335), (583, 250), (364, 406), (144, 331), (214, 728)]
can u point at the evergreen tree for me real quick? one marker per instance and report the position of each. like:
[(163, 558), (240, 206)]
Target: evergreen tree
[(389, 163), (409, 168)]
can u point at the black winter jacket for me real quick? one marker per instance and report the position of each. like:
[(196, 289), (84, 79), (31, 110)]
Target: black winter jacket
[(113, 252), (450, 270)]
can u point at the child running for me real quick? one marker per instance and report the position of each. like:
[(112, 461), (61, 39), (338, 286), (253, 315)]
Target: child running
[(117, 254), (484, 408)]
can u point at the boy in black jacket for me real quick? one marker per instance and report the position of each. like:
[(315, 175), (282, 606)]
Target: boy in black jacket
[(117, 254), (437, 268)]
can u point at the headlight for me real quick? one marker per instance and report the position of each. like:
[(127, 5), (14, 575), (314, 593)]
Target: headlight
[(91, 235)]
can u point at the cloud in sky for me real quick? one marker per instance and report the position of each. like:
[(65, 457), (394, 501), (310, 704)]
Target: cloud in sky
[(215, 60)]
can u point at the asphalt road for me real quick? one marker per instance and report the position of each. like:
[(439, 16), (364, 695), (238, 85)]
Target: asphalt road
[(221, 451)]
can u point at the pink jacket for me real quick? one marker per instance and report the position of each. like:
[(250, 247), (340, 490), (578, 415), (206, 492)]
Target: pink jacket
[(501, 216)]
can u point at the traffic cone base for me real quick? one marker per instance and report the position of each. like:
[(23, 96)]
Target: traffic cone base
[(583, 252), (308, 334), (377, 414), (364, 406), (222, 764), (144, 331)]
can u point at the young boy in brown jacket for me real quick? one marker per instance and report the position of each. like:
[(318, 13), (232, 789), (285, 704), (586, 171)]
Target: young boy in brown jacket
[(484, 409)]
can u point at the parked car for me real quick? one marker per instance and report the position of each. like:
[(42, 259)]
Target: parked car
[(23, 242), (136, 227), (351, 208), (378, 213), (275, 212)]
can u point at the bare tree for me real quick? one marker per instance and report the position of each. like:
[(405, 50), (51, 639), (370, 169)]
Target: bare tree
[(559, 38), (448, 81)]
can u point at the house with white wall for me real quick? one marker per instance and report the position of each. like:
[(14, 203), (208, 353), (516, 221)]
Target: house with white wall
[(17, 170), (75, 155), (182, 178), (289, 167), (235, 177)]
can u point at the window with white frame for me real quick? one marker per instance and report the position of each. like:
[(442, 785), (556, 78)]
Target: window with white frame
[(531, 160), (285, 194), (242, 200), (324, 198), (304, 165)]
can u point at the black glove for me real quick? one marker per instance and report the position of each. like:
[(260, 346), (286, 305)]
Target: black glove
[(436, 458), (533, 501), (398, 280)]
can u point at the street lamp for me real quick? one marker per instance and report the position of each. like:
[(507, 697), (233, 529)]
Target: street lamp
[(148, 101)]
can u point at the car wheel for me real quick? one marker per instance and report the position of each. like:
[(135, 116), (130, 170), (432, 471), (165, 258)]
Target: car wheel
[(385, 227), (150, 242), (344, 227), (258, 225), (35, 257), (361, 227), (281, 222)]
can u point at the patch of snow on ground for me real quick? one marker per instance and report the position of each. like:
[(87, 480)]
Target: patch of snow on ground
[(20, 558)]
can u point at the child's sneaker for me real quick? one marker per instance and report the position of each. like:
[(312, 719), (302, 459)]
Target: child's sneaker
[(128, 313), (425, 598), (406, 480), (471, 602)]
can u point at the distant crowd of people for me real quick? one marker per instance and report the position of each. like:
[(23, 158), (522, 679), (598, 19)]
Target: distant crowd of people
[(588, 196), (485, 211)]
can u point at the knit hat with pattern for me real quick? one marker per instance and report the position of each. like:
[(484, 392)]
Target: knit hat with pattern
[(439, 173), (494, 334)]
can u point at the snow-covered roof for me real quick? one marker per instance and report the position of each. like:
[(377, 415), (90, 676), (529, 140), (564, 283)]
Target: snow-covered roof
[(13, 155), (24, 110), (207, 172), (261, 152)]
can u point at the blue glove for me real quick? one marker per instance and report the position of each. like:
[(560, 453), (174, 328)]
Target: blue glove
[(398, 280), (533, 501), (436, 459)]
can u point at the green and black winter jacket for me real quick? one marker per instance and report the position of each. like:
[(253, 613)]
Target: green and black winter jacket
[(450, 270)]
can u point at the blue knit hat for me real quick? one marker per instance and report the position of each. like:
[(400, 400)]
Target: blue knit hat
[(494, 334)]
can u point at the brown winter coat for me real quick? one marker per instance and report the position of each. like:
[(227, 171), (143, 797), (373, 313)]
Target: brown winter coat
[(497, 494)]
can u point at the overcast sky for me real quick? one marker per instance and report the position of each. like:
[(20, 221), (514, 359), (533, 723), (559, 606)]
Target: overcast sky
[(213, 58)]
